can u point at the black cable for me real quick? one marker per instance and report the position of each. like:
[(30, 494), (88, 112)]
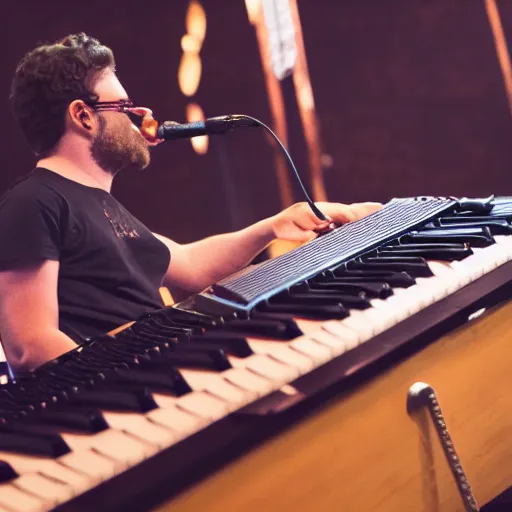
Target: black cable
[(311, 204)]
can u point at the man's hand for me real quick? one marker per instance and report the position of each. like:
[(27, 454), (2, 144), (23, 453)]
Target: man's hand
[(299, 223)]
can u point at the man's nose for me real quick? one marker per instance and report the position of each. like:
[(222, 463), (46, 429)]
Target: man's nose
[(142, 111)]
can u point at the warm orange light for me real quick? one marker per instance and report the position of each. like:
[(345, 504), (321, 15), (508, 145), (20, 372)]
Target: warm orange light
[(195, 113), (253, 8), (189, 73), (195, 21), (190, 44)]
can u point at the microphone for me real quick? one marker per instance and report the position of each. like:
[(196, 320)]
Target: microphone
[(170, 130)]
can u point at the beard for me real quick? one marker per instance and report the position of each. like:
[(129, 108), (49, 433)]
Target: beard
[(114, 151)]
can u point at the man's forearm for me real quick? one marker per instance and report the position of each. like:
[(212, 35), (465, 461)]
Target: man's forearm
[(33, 351), (216, 257)]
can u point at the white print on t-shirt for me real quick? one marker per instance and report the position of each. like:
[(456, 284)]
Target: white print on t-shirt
[(118, 219)]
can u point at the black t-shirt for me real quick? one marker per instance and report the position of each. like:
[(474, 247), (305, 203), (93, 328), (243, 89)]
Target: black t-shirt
[(111, 265)]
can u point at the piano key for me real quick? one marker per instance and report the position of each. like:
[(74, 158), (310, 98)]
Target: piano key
[(7, 472), (283, 353), (394, 279), (336, 344), (415, 267), (204, 405), (275, 371), (48, 489), (52, 468), (220, 387), (119, 446), (476, 237), (305, 311), (181, 422), (318, 352), (230, 342), (70, 417), (446, 252), (348, 338), (379, 290), (496, 226), (139, 426), (108, 397), (265, 327), (249, 381), (94, 466), (17, 500), (192, 355), (159, 375), (322, 297), (357, 323), (25, 440)]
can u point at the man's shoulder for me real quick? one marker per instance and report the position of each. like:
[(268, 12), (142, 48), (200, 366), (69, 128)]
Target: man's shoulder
[(32, 190)]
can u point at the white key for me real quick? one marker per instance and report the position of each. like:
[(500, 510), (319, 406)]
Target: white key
[(203, 405), (44, 488), (163, 400), (216, 384), (180, 422), (50, 467), (92, 465), (316, 351), (139, 426), (380, 316), (358, 325), (16, 500), (280, 351), (249, 381), (347, 336), (505, 244), (336, 345), (117, 445), (277, 372)]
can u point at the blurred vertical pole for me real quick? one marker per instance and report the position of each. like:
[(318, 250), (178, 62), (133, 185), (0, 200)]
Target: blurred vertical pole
[(500, 42), (275, 98), (307, 111), (290, 95)]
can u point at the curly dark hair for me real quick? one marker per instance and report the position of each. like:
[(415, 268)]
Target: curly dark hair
[(48, 79)]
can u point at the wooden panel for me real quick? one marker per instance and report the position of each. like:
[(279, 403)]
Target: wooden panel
[(363, 452)]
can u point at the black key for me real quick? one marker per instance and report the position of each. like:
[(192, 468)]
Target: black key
[(337, 311), (119, 399), (19, 438), (6, 472), (478, 206), (157, 376), (266, 328), (188, 318), (476, 237), (470, 219), (195, 355), (443, 252), (72, 418), (496, 226), (416, 267), (230, 342), (324, 297), (342, 275), (374, 290)]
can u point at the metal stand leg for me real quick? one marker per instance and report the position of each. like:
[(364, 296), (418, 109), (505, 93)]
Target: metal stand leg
[(423, 395)]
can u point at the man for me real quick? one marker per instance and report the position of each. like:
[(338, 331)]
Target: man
[(73, 262)]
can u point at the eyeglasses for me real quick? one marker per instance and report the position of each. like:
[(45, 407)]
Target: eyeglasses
[(116, 106), (125, 106)]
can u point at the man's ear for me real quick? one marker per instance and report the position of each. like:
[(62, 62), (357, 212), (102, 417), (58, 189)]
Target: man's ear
[(80, 115)]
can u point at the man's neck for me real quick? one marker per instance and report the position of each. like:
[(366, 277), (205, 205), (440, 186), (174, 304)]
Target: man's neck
[(84, 171)]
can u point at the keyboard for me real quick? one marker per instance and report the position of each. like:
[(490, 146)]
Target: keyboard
[(104, 426)]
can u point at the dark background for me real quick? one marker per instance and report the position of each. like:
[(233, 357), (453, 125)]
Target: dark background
[(409, 95)]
